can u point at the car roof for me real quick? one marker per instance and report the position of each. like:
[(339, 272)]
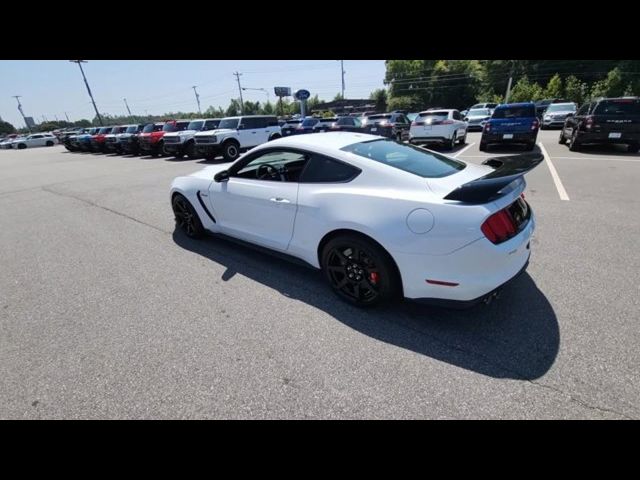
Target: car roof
[(330, 140), (437, 110), (511, 105)]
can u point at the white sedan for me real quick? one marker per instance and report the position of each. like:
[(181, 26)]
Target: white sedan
[(382, 219), (36, 140)]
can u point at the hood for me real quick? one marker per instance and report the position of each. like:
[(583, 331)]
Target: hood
[(218, 131), (210, 171), (183, 132), (559, 112)]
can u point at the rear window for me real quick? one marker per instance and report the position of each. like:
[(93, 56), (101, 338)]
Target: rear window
[(515, 112), (321, 169), (477, 112), (561, 107), (378, 117), (105, 130), (434, 114), (309, 122), (406, 157), (620, 107), (346, 121), (132, 129)]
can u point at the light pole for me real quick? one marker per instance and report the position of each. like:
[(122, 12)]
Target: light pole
[(17, 97), (128, 110), (80, 62), (197, 98), (238, 74)]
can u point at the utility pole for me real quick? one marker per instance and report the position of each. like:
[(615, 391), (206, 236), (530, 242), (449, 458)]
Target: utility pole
[(17, 97), (197, 98), (65, 114), (128, 110), (506, 96), (342, 72), (80, 62), (240, 90)]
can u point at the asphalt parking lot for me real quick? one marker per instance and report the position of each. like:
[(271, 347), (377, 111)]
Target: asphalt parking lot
[(107, 312)]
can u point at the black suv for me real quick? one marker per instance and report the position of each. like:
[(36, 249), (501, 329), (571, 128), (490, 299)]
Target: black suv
[(604, 121), (392, 125)]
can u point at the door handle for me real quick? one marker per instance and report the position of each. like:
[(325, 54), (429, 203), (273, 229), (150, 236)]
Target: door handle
[(279, 200)]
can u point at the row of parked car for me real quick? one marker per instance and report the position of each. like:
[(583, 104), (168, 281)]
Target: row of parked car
[(21, 142)]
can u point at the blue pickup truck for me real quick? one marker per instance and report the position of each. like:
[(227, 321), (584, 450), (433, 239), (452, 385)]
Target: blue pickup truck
[(511, 123)]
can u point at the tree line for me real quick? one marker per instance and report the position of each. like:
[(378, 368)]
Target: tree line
[(419, 84)]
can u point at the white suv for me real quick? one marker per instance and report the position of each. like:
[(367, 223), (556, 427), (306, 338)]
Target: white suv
[(446, 127), (235, 134), (183, 143), (36, 140)]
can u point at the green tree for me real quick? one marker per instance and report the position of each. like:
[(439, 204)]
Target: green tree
[(525, 91), (380, 97), (84, 123), (214, 112), (233, 109), (6, 128), (338, 97), (267, 109), (575, 90), (554, 87), (612, 86), (405, 103)]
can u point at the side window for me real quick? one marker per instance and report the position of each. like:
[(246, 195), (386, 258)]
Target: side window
[(583, 109), (250, 123), (402, 119), (323, 169), (275, 165), (456, 115), (272, 122)]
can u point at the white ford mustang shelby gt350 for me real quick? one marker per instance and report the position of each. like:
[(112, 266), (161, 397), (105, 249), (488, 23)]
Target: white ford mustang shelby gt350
[(382, 219)]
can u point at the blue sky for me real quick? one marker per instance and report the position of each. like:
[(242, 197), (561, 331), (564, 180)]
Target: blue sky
[(52, 87)]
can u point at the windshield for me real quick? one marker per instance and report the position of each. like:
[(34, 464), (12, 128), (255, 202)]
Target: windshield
[(309, 122), (618, 107), (514, 112), (105, 130), (561, 107), (405, 157), (175, 127), (132, 129), (478, 112), (231, 123), (346, 121), (195, 125)]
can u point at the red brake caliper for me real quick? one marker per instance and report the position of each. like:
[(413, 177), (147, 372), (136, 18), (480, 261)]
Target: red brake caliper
[(373, 277)]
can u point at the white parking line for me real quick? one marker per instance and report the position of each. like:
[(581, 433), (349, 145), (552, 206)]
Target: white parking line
[(464, 149), (554, 174), (602, 159)]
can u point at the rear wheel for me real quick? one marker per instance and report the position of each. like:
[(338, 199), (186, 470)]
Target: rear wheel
[(562, 140), (21, 146), (463, 140), (452, 143), (186, 217), (360, 271), (483, 147), (49, 143)]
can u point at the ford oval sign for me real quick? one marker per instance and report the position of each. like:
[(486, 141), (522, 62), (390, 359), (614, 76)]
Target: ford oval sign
[(302, 94)]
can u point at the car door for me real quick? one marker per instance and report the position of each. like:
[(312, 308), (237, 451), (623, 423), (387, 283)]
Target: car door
[(258, 202), (248, 132)]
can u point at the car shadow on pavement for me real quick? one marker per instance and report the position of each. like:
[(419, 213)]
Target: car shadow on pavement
[(606, 150), (516, 336)]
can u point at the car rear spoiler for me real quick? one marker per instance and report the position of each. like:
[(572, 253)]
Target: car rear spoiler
[(488, 188)]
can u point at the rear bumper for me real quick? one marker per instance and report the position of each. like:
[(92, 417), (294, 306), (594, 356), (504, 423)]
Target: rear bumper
[(489, 138), (478, 269), (427, 140), (603, 137)]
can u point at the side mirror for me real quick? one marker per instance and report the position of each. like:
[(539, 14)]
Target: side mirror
[(221, 176)]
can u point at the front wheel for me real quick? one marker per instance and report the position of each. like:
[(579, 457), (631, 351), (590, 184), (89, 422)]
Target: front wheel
[(360, 271), (186, 217), (190, 150), (49, 143), (21, 146), (633, 147), (230, 151)]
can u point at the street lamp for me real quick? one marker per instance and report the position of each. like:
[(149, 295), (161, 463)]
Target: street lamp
[(80, 62), (261, 89)]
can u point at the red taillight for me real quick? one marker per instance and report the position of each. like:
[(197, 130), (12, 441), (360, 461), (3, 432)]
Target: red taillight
[(487, 127), (416, 123), (588, 123), (535, 124), (499, 227), (446, 122)]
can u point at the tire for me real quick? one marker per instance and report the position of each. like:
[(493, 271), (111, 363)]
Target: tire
[(49, 143), (574, 146), (375, 278), (160, 150), (562, 140), (483, 147), (190, 150), (542, 127), (186, 217), (633, 148), (21, 146), (275, 136), (230, 150), (452, 143), (463, 140)]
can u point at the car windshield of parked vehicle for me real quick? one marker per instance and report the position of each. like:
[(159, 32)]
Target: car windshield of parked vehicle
[(514, 112), (346, 121), (562, 107), (151, 127), (478, 112), (405, 157), (195, 125), (211, 124), (309, 122), (618, 107), (412, 116), (104, 130), (231, 123), (175, 127), (131, 129)]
